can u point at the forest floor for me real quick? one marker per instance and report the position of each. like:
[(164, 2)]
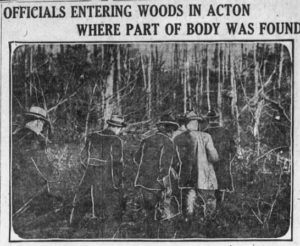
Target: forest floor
[(259, 207)]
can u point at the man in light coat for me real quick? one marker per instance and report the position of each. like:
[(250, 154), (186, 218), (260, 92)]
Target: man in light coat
[(197, 177), (225, 146)]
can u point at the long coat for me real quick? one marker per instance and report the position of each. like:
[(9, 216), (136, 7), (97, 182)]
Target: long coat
[(30, 166), (225, 146), (103, 152), (103, 178), (197, 153), (154, 159)]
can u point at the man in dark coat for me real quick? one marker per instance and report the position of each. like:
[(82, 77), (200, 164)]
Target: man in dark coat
[(154, 159), (225, 146), (103, 177), (32, 170)]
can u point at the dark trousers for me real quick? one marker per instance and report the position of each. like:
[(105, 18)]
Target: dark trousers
[(106, 201), (151, 199)]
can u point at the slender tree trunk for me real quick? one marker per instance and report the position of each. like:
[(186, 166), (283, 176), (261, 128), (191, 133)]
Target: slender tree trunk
[(187, 73), (144, 72), (259, 105), (233, 86), (256, 68), (149, 89), (223, 80), (118, 83), (201, 80), (197, 78), (280, 66), (184, 92), (257, 116), (219, 96), (109, 90), (26, 65), (207, 77), (234, 107)]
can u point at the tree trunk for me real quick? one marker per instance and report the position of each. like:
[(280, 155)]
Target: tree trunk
[(149, 90), (201, 80), (280, 66), (184, 92), (118, 82), (197, 79), (208, 61), (219, 96), (234, 107), (109, 90), (256, 69)]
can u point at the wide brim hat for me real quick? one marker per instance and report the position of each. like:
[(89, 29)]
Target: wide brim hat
[(167, 120), (193, 116), (37, 113), (211, 115), (116, 120)]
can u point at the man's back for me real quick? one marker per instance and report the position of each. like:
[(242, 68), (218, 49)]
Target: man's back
[(154, 159), (104, 152), (186, 145), (225, 146)]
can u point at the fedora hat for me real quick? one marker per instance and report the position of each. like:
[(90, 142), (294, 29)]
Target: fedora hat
[(167, 120), (116, 120), (212, 114), (37, 113), (193, 116)]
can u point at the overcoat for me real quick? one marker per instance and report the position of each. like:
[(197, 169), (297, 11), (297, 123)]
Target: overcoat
[(103, 155), (30, 166), (154, 159), (197, 153), (225, 146)]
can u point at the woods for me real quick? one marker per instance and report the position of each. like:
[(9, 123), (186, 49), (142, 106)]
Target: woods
[(249, 84)]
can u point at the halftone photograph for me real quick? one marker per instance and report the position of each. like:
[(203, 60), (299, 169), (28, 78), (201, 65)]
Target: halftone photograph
[(151, 140)]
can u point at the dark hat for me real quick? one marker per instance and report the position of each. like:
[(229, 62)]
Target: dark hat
[(181, 119), (211, 115), (116, 120), (167, 120), (37, 113), (193, 116)]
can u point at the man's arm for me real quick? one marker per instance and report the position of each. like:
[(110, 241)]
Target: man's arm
[(211, 151), (117, 162), (138, 155)]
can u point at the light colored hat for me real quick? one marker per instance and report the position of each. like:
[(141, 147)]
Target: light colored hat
[(116, 120), (37, 113), (193, 116)]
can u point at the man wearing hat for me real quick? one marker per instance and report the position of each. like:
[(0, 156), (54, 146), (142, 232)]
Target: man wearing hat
[(154, 159), (181, 120), (31, 169), (225, 146), (196, 173), (103, 177)]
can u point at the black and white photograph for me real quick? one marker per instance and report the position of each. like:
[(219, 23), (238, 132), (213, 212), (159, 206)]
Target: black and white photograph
[(158, 140)]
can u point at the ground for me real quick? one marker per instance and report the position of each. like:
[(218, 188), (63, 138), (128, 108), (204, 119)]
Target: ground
[(259, 206)]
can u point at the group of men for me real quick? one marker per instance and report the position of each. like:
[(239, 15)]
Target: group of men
[(178, 166)]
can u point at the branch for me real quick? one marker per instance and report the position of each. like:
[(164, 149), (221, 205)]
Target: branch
[(62, 101), (254, 98), (258, 158)]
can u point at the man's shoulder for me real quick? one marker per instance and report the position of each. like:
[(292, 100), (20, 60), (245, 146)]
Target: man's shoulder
[(204, 135), (186, 135), (104, 134), (157, 138)]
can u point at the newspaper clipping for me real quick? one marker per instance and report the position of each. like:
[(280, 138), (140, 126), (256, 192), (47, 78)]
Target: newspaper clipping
[(126, 120)]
